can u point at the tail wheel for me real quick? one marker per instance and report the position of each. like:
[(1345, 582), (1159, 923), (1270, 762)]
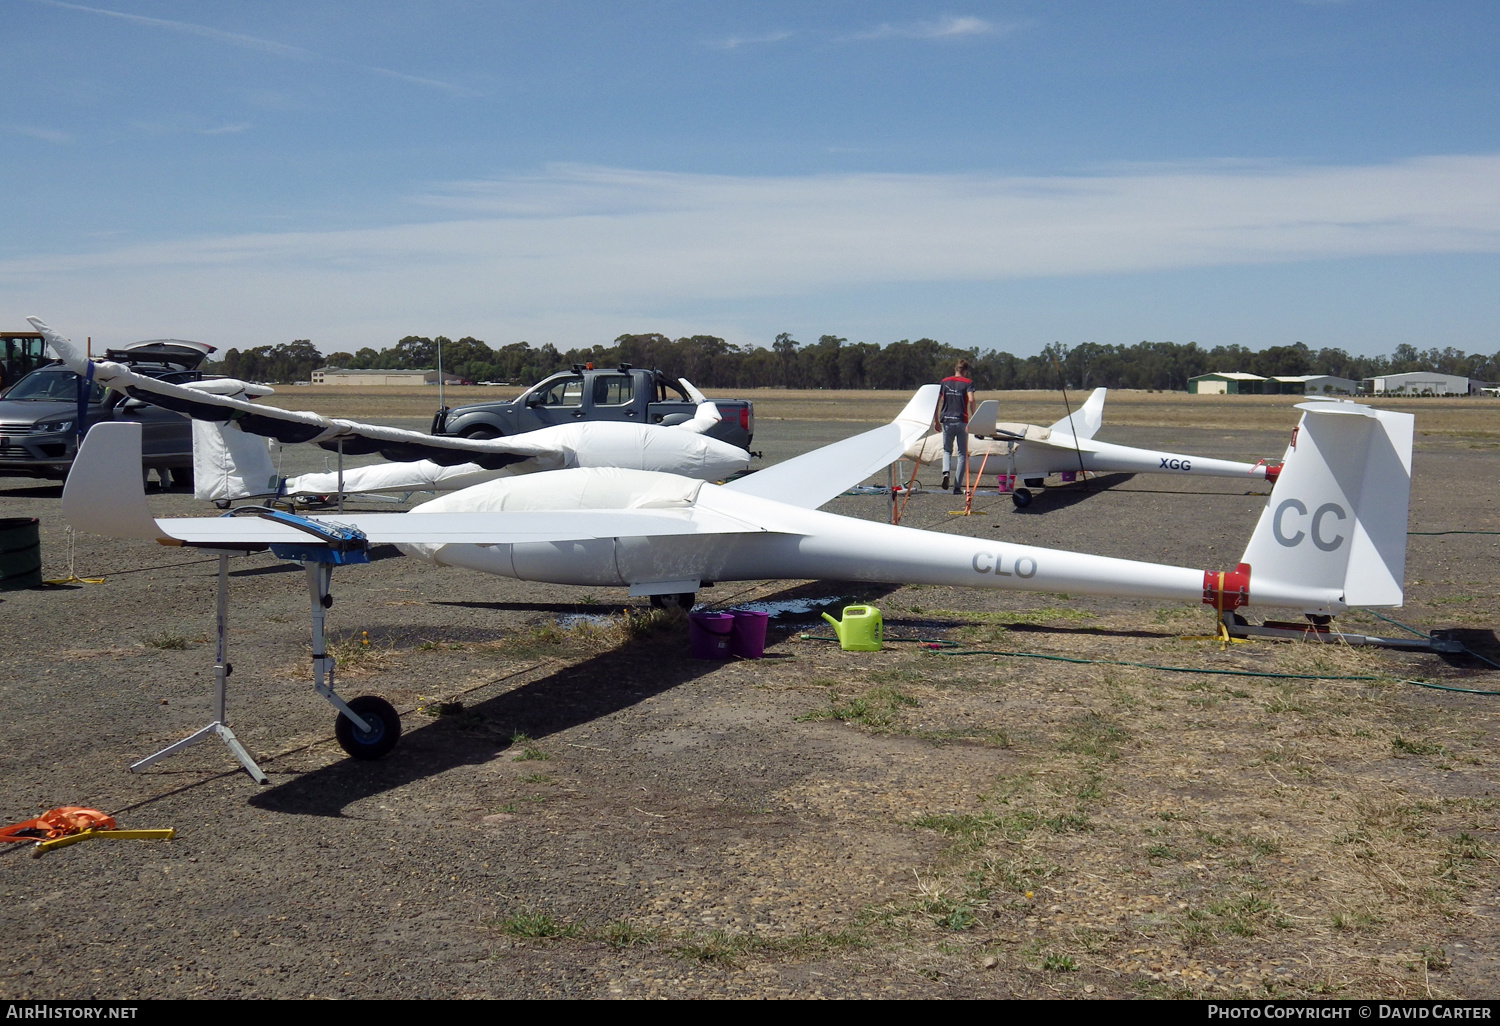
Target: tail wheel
[(1021, 497), (684, 600), (384, 732)]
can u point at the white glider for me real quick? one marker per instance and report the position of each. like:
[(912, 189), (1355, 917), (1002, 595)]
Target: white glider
[(231, 458), (1032, 453), (1332, 536)]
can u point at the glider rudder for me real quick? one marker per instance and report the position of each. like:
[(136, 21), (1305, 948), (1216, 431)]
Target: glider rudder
[(1333, 533)]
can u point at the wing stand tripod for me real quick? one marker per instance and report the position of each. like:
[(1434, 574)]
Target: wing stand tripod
[(367, 727)]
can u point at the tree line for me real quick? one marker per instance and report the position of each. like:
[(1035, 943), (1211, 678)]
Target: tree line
[(834, 362)]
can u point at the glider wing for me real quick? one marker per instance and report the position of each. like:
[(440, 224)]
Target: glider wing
[(104, 495), (813, 478), (352, 437)]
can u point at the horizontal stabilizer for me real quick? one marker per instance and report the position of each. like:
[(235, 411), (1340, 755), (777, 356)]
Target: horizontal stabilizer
[(813, 478)]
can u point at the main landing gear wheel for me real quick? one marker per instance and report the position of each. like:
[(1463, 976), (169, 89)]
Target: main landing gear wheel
[(1021, 497), (683, 601), (385, 728)]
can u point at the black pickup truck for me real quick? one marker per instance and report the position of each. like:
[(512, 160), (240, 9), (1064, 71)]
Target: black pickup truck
[(622, 393)]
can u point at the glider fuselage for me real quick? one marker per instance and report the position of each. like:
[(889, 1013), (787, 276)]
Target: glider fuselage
[(812, 544)]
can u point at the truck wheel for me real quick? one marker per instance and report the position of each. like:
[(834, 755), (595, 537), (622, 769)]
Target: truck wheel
[(480, 433)]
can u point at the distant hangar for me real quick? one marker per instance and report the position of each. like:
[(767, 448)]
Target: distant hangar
[(1240, 383)]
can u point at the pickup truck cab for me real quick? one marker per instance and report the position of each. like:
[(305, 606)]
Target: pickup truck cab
[(623, 393)]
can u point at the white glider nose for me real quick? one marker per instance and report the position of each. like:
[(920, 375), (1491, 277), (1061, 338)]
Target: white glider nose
[(721, 460)]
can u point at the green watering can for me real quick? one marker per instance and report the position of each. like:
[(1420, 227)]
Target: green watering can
[(860, 630)]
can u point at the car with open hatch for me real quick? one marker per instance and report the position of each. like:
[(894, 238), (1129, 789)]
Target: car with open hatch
[(43, 418)]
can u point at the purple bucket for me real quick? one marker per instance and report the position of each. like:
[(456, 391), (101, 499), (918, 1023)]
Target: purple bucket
[(708, 635), (748, 639)]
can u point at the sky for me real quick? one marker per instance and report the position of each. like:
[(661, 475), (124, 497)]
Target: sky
[(994, 175)]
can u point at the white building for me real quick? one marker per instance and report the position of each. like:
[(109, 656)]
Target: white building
[(366, 378), (1419, 383), (1317, 384)]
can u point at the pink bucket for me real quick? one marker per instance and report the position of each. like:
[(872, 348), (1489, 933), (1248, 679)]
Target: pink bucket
[(748, 638), (708, 635), (1005, 482), (1069, 476)]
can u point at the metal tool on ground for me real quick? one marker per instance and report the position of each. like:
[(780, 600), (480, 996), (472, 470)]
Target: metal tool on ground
[(1320, 629), (43, 847)]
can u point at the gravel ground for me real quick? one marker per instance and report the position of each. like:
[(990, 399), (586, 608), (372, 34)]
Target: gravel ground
[(605, 816)]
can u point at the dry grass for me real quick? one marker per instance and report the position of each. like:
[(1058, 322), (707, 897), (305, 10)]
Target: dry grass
[(357, 654), (1187, 834), (1476, 420)]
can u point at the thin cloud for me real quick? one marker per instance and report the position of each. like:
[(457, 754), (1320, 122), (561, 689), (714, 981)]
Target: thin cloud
[(47, 135), (256, 43), (944, 28), (237, 127), (735, 42), (608, 243)]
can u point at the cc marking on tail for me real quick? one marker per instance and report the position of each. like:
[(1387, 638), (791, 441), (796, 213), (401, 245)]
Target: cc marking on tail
[(1316, 532)]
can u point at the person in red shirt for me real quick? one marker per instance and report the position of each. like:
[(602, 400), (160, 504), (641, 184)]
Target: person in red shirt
[(955, 405)]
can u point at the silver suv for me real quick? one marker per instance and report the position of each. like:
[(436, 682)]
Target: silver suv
[(40, 414)]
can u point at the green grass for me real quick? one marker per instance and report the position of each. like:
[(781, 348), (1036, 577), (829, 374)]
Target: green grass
[(536, 925), (528, 749), (1095, 735), (878, 709), (1401, 746)]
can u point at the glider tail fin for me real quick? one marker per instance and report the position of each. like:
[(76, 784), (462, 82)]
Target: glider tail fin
[(704, 418), (1333, 533), (1085, 421), (104, 493)]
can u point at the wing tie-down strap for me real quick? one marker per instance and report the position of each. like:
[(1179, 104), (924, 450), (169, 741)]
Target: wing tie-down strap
[(70, 824)]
